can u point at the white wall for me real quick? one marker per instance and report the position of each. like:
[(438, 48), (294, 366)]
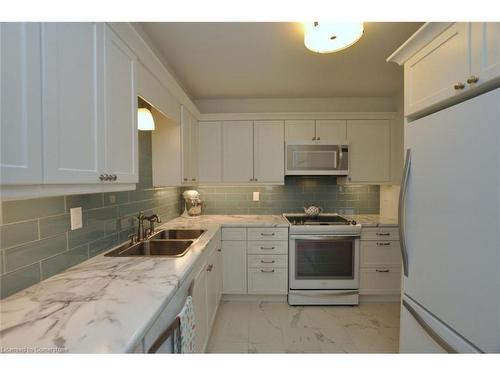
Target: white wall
[(283, 105)]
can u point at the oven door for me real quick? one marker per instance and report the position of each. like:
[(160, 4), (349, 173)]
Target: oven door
[(324, 262)]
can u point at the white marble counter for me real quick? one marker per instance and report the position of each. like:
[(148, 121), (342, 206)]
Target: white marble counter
[(106, 304), (373, 220)]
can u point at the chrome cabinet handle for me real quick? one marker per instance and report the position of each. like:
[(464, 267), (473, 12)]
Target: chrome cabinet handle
[(401, 213), (382, 271), (219, 250), (318, 138), (459, 86), (267, 248), (185, 179), (313, 138), (267, 262), (383, 244), (267, 271), (267, 234), (472, 79), (383, 234), (210, 267), (193, 179)]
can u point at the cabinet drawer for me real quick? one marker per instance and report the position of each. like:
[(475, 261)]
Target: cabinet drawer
[(267, 280), (381, 233), (268, 234), (267, 247), (380, 253), (279, 261), (380, 280), (234, 234)]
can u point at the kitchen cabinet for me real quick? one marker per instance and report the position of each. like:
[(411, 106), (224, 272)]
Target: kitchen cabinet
[(369, 151), (455, 63), (200, 306), (237, 151), (21, 111), (269, 153), (234, 267), (213, 294), (73, 97), (120, 103), (485, 51), (315, 130), (210, 151), (189, 126)]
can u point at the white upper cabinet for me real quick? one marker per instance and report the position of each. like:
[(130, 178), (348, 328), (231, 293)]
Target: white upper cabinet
[(485, 56), (300, 130), (210, 151), (237, 151), (269, 152), (369, 150), (21, 112), (448, 62), (120, 98), (439, 70), (72, 73), (189, 126), (331, 130)]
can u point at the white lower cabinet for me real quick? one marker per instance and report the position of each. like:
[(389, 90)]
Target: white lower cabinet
[(234, 259), (267, 280), (380, 264)]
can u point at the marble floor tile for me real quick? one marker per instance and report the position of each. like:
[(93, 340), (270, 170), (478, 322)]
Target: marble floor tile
[(274, 327)]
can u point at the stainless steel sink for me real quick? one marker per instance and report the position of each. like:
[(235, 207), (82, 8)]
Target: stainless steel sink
[(169, 248), (178, 234)]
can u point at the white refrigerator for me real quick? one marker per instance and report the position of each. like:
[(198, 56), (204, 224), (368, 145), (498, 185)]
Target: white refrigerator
[(450, 230)]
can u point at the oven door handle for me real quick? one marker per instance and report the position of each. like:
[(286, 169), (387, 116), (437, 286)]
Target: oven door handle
[(327, 237)]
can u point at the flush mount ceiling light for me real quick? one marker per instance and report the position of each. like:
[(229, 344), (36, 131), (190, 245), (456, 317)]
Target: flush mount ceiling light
[(323, 37), (145, 119)]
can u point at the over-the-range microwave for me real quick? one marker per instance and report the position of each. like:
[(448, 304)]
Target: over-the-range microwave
[(316, 158)]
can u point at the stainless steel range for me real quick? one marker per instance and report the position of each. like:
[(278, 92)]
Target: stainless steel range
[(323, 260)]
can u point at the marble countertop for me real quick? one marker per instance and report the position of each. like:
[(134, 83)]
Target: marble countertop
[(93, 307), (373, 220)]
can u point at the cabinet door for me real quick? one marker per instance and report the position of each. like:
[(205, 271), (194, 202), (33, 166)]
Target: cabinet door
[(269, 151), (199, 295), (72, 70), (432, 73), (210, 151), (331, 130), (369, 150), (485, 54), (212, 302), (193, 165), (300, 130), (120, 99), (237, 151), (219, 272), (21, 112), (186, 145), (234, 267)]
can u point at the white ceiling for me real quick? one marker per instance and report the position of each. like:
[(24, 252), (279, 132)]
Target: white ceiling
[(269, 60)]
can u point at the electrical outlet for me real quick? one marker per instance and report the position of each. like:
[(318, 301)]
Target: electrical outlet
[(76, 217), (256, 196)]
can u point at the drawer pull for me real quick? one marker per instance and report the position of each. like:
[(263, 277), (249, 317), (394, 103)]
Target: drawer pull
[(210, 267), (267, 271), (268, 261), (383, 244), (383, 234), (267, 234), (382, 271), (267, 248)]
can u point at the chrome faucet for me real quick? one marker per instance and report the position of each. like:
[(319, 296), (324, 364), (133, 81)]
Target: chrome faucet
[(143, 233)]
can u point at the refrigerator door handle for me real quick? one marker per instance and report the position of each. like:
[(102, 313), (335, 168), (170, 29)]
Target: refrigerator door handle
[(401, 211), (427, 328)]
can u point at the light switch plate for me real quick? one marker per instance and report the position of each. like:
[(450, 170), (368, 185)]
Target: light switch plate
[(76, 217), (256, 196)]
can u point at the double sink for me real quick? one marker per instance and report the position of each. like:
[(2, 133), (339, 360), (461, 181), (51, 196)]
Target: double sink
[(165, 243)]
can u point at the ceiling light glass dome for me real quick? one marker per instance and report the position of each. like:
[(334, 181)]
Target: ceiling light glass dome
[(322, 37)]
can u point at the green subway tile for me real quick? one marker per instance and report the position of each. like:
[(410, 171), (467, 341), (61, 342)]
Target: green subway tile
[(119, 197), (102, 214), (2, 270), (103, 244), (86, 201), (88, 233), (54, 225), (134, 208), (13, 282), (22, 210), (18, 233), (20, 256), (140, 195), (63, 261)]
